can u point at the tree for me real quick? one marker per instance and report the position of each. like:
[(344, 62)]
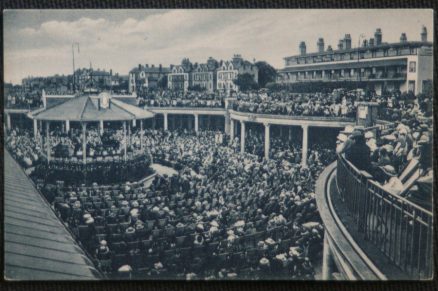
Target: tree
[(267, 73), (246, 82), (162, 82)]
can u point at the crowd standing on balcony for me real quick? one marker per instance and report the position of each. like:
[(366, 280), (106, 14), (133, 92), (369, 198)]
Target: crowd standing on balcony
[(336, 104), (182, 99)]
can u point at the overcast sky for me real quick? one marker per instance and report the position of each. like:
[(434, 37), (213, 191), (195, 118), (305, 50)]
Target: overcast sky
[(38, 42)]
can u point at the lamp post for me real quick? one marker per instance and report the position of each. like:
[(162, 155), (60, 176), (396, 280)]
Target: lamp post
[(73, 58)]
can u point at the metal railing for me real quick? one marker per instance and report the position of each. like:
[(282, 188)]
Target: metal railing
[(400, 229)]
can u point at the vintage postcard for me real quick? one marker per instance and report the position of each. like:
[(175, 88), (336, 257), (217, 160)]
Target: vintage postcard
[(209, 144)]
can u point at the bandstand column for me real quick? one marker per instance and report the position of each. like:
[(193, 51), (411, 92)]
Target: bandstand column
[(196, 123), (141, 134), (166, 125), (35, 128), (129, 133), (101, 126), (125, 147), (290, 133), (242, 136), (67, 126), (48, 141), (84, 143), (305, 144), (267, 140)]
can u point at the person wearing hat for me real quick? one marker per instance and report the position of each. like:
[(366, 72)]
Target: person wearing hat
[(358, 153)]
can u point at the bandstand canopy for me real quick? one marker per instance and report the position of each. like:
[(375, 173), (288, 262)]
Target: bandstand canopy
[(87, 108)]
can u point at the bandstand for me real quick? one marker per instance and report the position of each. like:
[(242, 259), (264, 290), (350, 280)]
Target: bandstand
[(86, 110)]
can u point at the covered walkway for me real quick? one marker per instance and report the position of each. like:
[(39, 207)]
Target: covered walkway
[(37, 245)]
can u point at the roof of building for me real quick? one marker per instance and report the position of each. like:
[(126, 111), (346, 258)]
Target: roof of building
[(354, 64), (150, 69), (86, 108), (37, 245), (384, 45)]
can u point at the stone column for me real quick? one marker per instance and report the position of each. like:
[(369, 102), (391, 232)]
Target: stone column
[(8, 121), (267, 140), (305, 144), (48, 141), (290, 134), (35, 129), (67, 126), (101, 127), (196, 123), (125, 147), (242, 136), (227, 123), (327, 260), (231, 129), (165, 121)]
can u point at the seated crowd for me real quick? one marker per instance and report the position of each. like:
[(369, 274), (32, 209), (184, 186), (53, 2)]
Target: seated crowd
[(105, 156), (224, 215), (397, 156)]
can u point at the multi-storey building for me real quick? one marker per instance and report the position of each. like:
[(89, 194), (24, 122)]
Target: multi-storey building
[(229, 70), (91, 78), (405, 65), (143, 77), (204, 75), (180, 76)]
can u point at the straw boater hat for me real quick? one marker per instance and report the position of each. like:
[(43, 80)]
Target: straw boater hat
[(264, 262), (389, 170)]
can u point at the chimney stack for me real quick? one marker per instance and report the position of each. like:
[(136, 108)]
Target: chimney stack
[(378, 36), (423, 34), (403, 38), (347, 41), (302, 48), (371, 42), (329, 48), (340, 44), (365, 43), (320, 45)]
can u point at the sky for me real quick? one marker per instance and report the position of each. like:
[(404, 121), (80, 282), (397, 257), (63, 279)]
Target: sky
[(39, 42)]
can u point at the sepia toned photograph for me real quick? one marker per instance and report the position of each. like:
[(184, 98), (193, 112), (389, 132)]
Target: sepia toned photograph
[(218, 144)]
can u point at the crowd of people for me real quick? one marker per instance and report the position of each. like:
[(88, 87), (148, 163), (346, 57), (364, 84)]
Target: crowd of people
[(225, 214), (106, 161), (339, 103), (397, 156), (20, 100), (182, 99)]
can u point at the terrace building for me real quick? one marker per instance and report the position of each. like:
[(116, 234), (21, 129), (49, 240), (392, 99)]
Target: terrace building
[(204, 75), (143, 77), (229, 70), (180, 76), (404, 65)]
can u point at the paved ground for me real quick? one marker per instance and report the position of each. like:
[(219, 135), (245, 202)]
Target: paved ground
[(161, 170)]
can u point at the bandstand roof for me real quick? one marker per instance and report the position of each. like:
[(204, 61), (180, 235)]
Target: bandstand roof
[(86, 108)]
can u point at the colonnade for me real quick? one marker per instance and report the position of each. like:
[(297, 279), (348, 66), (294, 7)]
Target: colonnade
[(267, 141)]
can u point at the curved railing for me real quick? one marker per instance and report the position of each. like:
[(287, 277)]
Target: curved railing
[(400, 229)]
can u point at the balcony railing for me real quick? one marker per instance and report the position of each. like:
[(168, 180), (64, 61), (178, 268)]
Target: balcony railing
[(400, 229)]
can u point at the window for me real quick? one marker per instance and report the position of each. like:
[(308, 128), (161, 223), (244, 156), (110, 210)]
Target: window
[(412, 67)]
